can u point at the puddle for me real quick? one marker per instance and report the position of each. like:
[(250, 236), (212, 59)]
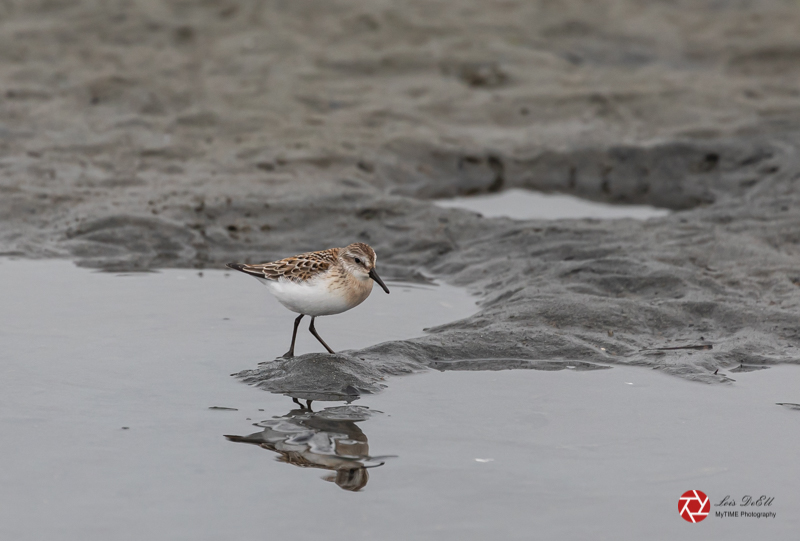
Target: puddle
[(530, 205), (115, 399), (569, 454)]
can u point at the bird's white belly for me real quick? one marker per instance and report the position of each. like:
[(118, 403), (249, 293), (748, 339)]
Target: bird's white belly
[(312, 298)]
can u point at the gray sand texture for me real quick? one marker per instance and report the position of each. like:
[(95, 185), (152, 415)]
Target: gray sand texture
[(147, 134)]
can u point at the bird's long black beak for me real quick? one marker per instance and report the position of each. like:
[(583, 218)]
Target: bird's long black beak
[(374, 276)]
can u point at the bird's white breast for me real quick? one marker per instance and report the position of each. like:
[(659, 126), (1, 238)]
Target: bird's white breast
[(313, 298)]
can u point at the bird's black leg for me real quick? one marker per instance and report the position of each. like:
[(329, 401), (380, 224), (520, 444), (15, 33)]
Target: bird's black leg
[(290, 353), (302, 407), (314, 332)]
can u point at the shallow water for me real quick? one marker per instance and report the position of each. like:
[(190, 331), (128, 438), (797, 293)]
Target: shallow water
[(530, 205), (107, 385)]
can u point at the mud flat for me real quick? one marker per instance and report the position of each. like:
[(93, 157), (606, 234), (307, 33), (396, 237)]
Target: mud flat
[(150, 134)]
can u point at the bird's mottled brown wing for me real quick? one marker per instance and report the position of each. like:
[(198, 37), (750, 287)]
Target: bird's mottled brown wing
[(298, 268)]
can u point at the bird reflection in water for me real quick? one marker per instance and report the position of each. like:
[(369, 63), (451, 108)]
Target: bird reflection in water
[(327, 439)]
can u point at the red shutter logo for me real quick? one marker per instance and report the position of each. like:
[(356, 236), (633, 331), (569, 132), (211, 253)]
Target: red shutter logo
[(694, 506)]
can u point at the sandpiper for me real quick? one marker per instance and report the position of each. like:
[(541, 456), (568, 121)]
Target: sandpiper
[(319, 283)]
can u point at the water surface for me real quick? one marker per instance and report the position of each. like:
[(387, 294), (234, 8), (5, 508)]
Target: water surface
[(115, 398), (530, 205)]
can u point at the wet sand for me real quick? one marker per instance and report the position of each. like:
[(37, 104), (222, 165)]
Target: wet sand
[(149, 135), (116, 396)]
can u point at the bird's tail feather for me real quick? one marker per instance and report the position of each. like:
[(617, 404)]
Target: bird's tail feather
[(241, 267)]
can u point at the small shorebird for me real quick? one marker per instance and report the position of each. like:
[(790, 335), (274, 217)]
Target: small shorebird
[(319, 283)]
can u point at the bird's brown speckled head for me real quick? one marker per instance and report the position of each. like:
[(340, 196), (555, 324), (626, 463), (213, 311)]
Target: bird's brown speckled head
[(359, 259), (360, 256)]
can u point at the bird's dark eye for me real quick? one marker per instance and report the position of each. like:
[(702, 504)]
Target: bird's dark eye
[(358, 261)]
